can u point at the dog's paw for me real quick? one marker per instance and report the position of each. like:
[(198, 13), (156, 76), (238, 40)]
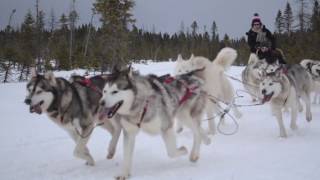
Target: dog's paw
[(90, 163), (122, 177), (293, 126), (309, 117), (183, 150), (110, 155), (194, 158), (283, 135)]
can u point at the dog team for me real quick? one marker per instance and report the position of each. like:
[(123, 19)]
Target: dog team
[(128, 102)]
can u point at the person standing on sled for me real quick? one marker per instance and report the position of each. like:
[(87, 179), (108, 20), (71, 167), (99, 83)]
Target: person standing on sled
[(262, 42)]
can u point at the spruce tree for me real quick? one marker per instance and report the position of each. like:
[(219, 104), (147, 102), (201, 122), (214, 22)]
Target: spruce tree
[(288, 19), (115, 16), (279, 24)]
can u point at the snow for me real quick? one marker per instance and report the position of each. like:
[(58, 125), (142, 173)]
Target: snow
[(33, 147)]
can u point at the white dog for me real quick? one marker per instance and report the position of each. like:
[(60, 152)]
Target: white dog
[(217, 85)]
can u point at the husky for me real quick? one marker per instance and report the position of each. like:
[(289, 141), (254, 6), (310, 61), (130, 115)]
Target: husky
[(313, 67), (73, 106), (252, 76), (308, 64), (283, 86), (315, 73), (216, 83), (151, 104)]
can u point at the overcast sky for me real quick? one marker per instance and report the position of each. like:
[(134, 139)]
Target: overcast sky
[(232, 16)]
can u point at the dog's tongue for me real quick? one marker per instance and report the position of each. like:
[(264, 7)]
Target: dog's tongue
[(266, 98), (36, 109), (105, 112)]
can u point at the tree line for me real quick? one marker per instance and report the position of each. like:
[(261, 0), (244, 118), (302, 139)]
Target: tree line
[(61, 44)]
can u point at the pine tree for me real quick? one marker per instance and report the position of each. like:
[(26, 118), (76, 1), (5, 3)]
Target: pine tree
[(279, 24), (115, 18), (28, 47), (214, 31), (288, 19), (315, 18), (73, 16), (303, 16), (52, 21), (194, 28), (63, 21)]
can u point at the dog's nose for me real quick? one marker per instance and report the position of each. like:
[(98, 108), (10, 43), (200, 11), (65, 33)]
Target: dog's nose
[(102, 103), (27, 101), (263, 91)]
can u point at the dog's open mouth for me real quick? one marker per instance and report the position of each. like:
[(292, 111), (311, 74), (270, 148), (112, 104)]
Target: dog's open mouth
[(267, 97), (36, 108), (110, 111)]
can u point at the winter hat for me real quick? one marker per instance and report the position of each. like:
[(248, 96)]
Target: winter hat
[(255, 19)]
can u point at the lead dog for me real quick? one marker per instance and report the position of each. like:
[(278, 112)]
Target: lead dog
[(73, 107)]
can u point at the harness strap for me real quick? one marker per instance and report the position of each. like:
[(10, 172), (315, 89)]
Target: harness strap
[(145, 108), (189, 89), (88, 83)]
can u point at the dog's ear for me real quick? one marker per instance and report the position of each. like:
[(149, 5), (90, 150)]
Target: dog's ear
[(262, 73), (278, 73), (130, 72), (33, 72), (192, 56), (179, 58), (50, 77), (115, 69)]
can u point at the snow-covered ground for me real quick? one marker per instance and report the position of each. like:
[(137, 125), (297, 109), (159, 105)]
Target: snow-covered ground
[(33, 147)]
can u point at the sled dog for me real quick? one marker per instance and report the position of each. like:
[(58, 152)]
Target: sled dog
[(252, 76), (216, 83), (150, 103), (73, 106), (283, 86)]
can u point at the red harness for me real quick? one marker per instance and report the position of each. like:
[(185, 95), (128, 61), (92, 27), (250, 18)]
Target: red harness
[(189, 89), (88, 83), (188, 93)]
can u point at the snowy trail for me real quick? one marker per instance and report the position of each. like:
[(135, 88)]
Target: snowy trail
[(33, 147)]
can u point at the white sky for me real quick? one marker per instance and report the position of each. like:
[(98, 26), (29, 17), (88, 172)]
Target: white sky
[(232, 16)]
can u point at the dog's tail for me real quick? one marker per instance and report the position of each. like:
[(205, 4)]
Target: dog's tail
[(225, 58), (253, 58)]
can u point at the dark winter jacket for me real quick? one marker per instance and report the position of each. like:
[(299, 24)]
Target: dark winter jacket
[(266, 39)]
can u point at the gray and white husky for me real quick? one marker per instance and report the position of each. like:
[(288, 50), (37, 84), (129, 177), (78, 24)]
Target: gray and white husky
[(150, 103), (73, 106), (283, 86), (252, 76), (313, 67), (216, 83)]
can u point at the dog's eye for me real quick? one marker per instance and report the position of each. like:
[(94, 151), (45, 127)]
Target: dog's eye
[(39, 92), (104, 91), (270, 84), (114, 92), (271, 70)]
